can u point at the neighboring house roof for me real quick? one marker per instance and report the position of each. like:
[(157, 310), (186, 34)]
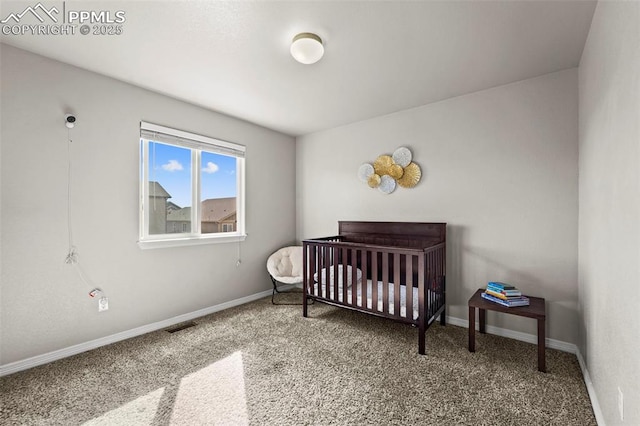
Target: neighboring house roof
[(156, 190), (217, 209), (180, 215), (213, 210), (172, 206)]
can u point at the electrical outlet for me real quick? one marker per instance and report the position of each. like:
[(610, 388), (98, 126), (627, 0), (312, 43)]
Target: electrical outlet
[(103, 304), (621, 403)]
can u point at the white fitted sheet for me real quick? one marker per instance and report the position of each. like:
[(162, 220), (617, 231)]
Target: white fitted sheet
[(403, 296)]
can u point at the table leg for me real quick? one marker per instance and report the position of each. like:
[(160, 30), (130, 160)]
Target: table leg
[(482, 318), (472, 329), (541, 346)]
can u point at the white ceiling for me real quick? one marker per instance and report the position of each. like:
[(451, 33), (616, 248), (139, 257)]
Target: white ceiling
[(380, 57)]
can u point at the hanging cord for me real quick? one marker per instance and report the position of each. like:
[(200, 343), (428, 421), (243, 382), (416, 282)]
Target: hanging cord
[(239, 261), (72, 255)]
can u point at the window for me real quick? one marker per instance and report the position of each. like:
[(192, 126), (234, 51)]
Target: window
[(191, 187)]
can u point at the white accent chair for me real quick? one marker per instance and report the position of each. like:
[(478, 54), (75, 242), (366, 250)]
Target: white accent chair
[(285, 268)]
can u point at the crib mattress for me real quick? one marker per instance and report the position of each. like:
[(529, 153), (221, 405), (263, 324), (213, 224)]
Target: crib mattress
[(369, 294)]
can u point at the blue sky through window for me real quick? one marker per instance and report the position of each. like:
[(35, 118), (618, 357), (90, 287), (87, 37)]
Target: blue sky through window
[(171, 167), (218, 175)]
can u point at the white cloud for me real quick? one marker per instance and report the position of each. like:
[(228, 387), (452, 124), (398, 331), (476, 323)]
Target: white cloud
[(172, 166), (211, 168)]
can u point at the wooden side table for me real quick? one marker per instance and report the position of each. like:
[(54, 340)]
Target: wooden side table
[(536, 310)]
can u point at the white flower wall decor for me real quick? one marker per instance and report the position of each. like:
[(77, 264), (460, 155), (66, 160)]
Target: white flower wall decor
[(389, 171)]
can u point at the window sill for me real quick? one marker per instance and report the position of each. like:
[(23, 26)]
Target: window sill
[(190, 241)]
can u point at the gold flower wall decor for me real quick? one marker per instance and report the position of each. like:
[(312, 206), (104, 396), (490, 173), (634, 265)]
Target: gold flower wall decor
[(389, 171)]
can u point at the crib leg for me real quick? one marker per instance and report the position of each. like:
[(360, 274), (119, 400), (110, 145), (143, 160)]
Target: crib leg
[(443, 318), (421, 339), (304, 303)]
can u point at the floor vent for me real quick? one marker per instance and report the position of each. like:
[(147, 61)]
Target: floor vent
[(181, 326)]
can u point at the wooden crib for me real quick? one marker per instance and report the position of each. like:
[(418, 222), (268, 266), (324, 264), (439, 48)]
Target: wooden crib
[(394, 270)]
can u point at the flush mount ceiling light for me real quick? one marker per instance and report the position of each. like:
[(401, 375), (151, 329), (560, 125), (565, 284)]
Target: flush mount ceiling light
[(307, 48)]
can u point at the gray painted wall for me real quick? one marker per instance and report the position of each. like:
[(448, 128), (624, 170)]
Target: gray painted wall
[(609, 254), (44, 305), (499, 166)]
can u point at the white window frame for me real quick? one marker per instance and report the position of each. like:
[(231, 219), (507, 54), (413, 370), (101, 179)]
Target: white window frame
[(196, 143)]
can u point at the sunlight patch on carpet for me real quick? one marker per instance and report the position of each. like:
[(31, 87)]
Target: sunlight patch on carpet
[(213, 395), (140, 411)]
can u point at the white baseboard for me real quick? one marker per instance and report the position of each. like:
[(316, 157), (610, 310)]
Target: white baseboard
[(597, 411), (523, 337), (550, 343), (37, 360)]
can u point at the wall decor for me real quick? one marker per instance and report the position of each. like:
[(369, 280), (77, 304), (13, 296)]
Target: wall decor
[(389, 171)]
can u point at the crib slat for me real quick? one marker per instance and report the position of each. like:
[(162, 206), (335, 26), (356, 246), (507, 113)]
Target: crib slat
[(432, 280), (374, 281), (332, 268), (365, 274), (430, 265), (345, 278), (396, 284), (438, 260), (385, 282), (436, 274), (336, 275), (422, 311), (306, 268), (354, 281), (354, 276), (326, 268), (318, 269), (409, 287), (439, 283), (311, 269), (305, 279)]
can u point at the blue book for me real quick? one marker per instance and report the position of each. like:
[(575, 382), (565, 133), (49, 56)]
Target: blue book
[(522, 301), (507, 293), (518, 301), (495, 299), (501, 286), (494, 288)]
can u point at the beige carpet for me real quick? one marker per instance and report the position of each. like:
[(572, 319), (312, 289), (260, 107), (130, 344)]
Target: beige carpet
[(266, 365)]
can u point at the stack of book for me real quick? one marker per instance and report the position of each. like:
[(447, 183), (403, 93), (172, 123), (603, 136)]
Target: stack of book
[(505, 294)]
